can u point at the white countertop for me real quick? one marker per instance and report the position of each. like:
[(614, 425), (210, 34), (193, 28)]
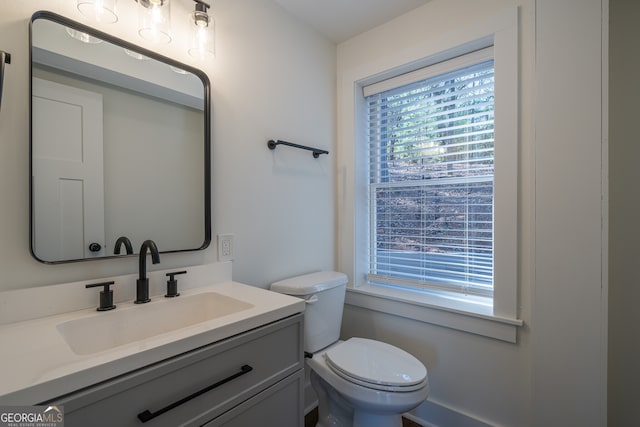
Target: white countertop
[(38, 365)]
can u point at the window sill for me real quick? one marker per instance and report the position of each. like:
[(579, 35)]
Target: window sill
[(471, 315)]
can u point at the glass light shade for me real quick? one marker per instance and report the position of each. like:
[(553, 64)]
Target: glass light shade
[(202, 45), (154, 20), (99, 10)]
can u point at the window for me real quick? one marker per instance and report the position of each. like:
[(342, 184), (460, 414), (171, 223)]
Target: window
[(431, 176), (428, 149)]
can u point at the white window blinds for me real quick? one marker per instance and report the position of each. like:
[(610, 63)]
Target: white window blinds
[(431, 163)]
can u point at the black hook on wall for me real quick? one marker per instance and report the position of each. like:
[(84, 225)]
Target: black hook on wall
[(5, 58), (315, 151)]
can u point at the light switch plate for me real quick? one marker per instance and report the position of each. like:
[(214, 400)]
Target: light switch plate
[(225, 247)]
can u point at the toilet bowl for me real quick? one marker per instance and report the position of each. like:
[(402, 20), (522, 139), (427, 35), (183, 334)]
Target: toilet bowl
[(370, 382), (359, 382)]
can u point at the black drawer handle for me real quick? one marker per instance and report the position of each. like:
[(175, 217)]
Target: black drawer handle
[(148, 415)]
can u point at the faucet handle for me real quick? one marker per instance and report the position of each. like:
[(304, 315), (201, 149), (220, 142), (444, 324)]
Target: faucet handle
[(106, 296), (172, 284)]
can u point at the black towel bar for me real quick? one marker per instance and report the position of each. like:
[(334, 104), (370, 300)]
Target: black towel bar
[(315, 151)]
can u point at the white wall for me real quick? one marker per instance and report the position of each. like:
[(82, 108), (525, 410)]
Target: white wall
[(272, 78), (569, 302), (555, 373)]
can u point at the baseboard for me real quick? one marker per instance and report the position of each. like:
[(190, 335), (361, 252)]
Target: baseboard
[(435, 414)]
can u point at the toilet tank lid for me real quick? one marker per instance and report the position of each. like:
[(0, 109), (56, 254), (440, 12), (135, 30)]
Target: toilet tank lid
[(310, 283)]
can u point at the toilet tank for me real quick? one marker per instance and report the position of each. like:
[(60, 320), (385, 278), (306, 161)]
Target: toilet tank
[(324, 293)]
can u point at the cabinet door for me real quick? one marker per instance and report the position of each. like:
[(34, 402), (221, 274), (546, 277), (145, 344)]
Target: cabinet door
[(280, 405)]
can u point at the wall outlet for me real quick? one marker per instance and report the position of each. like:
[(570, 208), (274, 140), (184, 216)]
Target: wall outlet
[(225, 247)]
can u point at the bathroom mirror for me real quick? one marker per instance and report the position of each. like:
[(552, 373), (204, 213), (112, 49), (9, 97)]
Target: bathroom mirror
[(120, 146)]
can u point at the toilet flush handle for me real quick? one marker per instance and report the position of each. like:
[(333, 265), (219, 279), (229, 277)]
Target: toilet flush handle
[(312, 299)]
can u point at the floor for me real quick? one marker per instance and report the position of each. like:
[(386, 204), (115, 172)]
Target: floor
[(312, 418)]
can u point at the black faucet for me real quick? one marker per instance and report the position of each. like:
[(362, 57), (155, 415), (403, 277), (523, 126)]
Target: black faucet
[(142, 284), (123, 240)]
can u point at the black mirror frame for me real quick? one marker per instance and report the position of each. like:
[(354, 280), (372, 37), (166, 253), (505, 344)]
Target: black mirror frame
[(126, 45)]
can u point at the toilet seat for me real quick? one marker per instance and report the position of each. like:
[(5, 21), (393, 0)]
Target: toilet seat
[(376, 365)]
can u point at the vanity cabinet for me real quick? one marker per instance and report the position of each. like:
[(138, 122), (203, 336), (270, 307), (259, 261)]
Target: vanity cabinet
[(254, 378)]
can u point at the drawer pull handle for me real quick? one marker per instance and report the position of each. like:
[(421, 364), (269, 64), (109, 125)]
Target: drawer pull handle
[(148, 415)]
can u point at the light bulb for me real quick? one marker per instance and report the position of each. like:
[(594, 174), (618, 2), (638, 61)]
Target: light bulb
[(201, 19)]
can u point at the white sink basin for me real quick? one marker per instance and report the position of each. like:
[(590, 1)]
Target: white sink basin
[(106, 330)]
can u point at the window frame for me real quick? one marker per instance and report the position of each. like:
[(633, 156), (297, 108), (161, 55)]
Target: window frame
[(496, 318)]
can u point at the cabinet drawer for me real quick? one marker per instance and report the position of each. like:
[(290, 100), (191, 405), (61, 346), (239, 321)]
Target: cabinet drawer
[(195, 387), (280, 405)]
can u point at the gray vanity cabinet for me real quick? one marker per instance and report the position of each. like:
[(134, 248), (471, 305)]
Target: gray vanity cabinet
[(254, 378)]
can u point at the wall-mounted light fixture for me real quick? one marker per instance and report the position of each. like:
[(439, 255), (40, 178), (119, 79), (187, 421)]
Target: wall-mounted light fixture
[(154, 23), (154, 20), (99, 10), (202, 43)]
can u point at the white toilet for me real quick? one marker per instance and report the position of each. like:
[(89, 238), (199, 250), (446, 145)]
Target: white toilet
[(359, 382)]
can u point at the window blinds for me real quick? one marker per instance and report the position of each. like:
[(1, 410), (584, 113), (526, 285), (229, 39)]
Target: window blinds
[(431, 177)]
